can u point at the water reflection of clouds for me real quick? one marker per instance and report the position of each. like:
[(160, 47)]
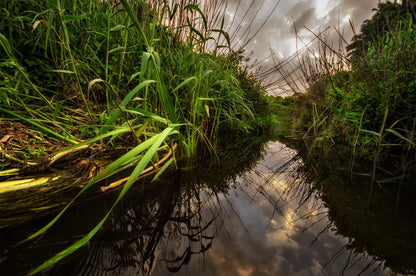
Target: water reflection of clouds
[(270, 223), (274, 227)]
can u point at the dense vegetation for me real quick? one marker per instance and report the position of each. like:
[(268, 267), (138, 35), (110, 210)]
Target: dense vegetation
[(149, 80), (111, 86), (70, 66), (361, 108)]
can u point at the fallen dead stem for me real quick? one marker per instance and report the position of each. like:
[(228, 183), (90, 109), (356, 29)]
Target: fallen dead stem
[(62, 154), (147, 172)]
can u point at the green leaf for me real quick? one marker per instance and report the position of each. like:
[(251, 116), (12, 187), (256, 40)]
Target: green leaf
[(195, 30), (73, 17), (392, 131), (135, 90), (185, 82), (117, 28), (159, 139), (165, 166), (172, 13), (99, 137), (206, 99), (134, 76), (370, 132), (196, 8), (207, 110), (118, 49), (147, 114), (143, 69), (63, 71), (5, 45), (226, 35)]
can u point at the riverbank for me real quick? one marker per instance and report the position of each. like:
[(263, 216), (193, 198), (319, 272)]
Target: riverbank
[(107, 87)]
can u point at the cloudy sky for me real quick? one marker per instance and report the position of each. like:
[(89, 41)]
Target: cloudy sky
[(266, 30), (278, 33)]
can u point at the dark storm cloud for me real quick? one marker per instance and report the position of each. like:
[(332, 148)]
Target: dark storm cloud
[(277, 36), (301, 14), (305, 18), (278, 33)]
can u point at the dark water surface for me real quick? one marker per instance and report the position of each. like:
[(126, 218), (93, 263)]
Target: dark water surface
[(256, 216)]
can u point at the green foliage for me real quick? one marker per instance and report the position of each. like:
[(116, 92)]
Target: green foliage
[(391, 64), (371, 108), (61, 48), (35, 152), (385, 17), (281, 114)]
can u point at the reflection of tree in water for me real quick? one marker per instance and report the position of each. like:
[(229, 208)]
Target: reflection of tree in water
[(187, 233), (163, 221), (374, 225), (376, 228), (151, 218)]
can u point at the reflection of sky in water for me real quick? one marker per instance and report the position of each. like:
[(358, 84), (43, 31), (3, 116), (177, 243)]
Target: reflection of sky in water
[(268, 223), (271, 225)]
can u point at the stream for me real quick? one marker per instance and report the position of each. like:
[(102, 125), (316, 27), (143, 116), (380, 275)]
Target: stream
[(260, 215)]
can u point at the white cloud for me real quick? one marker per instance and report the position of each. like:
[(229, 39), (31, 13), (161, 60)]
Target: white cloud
[(278, 33)]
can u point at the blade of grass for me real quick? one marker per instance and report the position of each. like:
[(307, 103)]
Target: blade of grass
[(135, 174), (16, 185)]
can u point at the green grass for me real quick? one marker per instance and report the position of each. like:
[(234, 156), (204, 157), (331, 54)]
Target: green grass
[(92, 72)]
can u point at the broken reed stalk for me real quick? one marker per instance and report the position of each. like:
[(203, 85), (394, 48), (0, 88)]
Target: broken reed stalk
[(147, 172)]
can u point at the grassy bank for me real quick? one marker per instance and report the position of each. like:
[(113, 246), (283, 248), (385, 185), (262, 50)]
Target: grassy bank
[(148, 80), (118, 74)]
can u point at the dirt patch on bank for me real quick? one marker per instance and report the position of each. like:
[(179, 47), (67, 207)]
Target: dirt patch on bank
[(30, 151), (20, 145)]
